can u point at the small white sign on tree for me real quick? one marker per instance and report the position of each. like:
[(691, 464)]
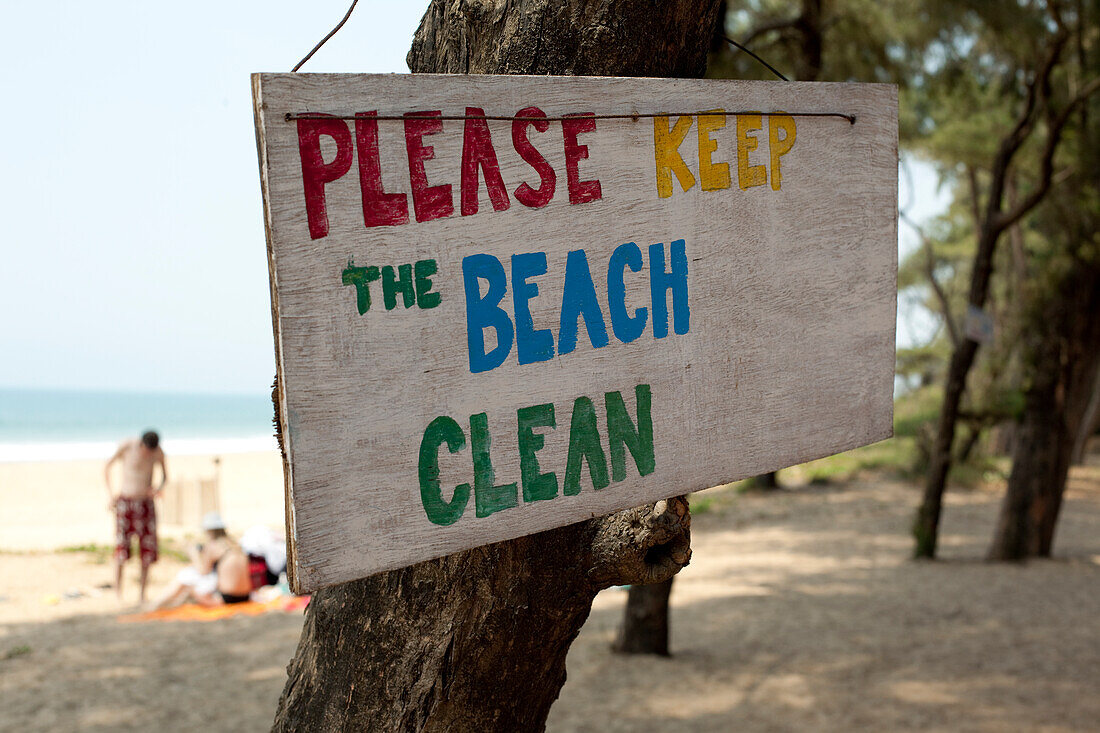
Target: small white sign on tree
[(503, 304)]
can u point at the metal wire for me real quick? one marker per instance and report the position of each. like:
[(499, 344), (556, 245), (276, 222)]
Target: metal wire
[(750, 53), (331, 33), (291, 116)]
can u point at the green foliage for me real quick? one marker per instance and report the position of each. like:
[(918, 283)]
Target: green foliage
[(168, 547), (921, 366), (701, 505), (100, 554), (896, 456), (965, 70), (15, 651), (981, 469), (916, 410), (985, 62), (717, 499), (859, 40)]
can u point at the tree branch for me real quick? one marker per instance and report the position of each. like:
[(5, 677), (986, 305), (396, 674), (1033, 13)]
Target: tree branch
[(648, 544), (1019, 254), (991, 226), (1025, 123), (1046, 172), (930, 271), (975, 195), (984, 417), (777, 25)]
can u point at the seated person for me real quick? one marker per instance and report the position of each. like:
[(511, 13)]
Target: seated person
[(218, 573)]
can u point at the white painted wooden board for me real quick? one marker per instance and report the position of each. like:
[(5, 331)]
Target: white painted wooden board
[(788, 353)]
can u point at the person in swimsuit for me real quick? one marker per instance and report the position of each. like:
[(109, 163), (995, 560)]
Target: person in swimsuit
[(218, 573), (135, 513)]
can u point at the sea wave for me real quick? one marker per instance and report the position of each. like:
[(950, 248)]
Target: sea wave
[(32, 452)]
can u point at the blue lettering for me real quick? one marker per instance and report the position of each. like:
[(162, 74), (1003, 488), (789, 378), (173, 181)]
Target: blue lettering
[(579, 300), (626, 328), (668, 271), (531, 345), (482, 313), (675, 280)]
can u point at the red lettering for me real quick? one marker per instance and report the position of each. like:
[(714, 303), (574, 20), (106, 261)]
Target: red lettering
[(379, 208), (579, 191), (315, 172), (539, 197), (477, 151), (429, 202)]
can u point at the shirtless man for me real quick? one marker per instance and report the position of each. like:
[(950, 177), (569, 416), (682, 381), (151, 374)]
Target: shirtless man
[(135, 515)]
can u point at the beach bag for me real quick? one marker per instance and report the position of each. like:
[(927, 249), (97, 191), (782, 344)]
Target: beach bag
[(259, 572)]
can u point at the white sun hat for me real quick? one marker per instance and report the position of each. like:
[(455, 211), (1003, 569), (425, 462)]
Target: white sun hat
[(212, 521)]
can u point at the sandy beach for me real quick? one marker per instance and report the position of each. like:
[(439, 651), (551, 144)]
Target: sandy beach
[(49, 505), (800, 611)]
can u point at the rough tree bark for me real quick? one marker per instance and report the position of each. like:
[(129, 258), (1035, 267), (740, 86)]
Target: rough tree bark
[(644, 629), (477, 641), (1064, 362), (597, 37)]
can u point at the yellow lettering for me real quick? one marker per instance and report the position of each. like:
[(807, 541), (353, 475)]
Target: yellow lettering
[(712, 176), (666, 144), (779, 146), (748, 175)]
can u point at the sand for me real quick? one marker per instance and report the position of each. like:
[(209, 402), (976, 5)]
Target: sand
[(64, 503), (800, 611)]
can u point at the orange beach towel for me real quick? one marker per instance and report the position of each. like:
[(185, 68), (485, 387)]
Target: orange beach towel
[(195, 612)]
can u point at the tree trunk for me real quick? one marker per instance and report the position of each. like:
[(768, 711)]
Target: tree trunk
[(810, 46), (970, 443), (990, 225), (473, 641), (477, 640), (644, 629), (766, 481), (1040, 458), (926, 528), (1090, 423), (582, 37), (1063, 367)]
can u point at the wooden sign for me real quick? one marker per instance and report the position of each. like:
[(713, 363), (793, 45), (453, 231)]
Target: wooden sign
[(503, 304)]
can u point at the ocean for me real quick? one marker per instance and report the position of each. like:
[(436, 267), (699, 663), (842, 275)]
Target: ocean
[(42, 425)]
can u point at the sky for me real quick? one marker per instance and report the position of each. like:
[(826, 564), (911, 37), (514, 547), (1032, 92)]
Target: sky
[(133, 244)]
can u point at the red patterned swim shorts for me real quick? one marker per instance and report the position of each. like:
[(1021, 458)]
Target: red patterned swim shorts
[(136, 518)]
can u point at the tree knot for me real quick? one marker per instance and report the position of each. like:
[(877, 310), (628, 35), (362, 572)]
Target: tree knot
[(648, 544)]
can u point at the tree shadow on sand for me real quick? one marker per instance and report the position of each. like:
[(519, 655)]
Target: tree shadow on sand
[(92, 673), (826, 625)]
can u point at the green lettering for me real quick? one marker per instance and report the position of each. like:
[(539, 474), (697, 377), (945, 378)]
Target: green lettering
[(621, 431), (360, 277), (441, 430), (425, 298), (584, 443), (536, 486), (488, 498), (403, 283)]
